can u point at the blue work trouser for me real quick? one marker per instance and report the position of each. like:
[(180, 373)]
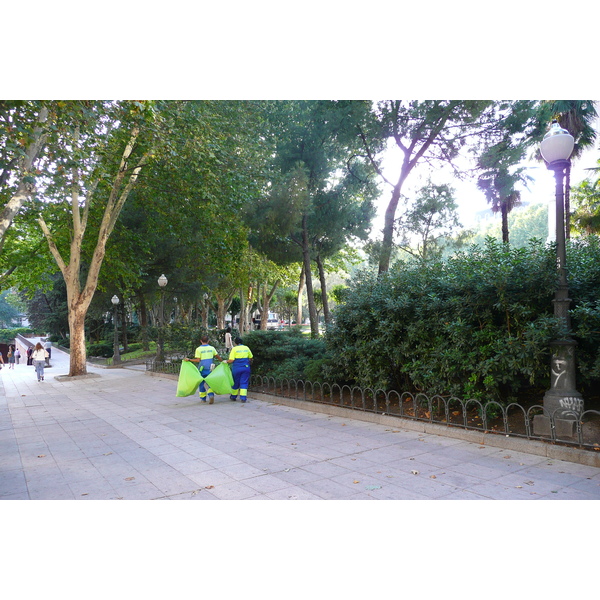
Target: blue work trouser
[(241, 380), (203, 388)]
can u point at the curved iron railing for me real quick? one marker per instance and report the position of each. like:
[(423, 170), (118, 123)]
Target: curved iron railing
[(491, 416), (156, 366)]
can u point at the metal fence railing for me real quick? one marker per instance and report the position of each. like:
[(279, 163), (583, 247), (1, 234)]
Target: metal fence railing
[(167, 366), (491, 416)]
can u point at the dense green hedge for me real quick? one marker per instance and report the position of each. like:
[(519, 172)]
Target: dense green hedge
[(7, 336), (103, 349), (478, 326), (286, 354)]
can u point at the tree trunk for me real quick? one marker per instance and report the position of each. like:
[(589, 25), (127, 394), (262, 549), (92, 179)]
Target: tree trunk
[(124, 328), (266, 303), (78, 356), (504, 213), (301, 286), (205, 313), (388, 229), (221, 312), (144, 322), (326, 315), (242, 317), (312, 309)]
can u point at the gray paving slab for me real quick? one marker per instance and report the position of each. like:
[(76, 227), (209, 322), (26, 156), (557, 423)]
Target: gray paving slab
[(123, 434)]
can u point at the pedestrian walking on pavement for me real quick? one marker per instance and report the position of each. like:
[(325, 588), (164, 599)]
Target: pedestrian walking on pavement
[(240, 358), (29, 353), (17, 355), (204, 356), (38, 357), (48, 348), (11, 357), (1, 360), (228, 340)]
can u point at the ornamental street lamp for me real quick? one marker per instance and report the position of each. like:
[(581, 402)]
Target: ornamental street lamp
[(160, 352), (116, 353), (205, 311), (563, 404)]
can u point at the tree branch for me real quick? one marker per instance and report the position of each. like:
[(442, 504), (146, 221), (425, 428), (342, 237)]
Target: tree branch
[(53, 249)]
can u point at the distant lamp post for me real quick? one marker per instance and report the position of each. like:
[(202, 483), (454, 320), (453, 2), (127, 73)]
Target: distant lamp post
[(205, 310), (160, 351), (562, 401), (116, 352)]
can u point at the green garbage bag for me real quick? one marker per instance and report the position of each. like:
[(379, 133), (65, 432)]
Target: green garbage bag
[(189, 379), (220, 379)]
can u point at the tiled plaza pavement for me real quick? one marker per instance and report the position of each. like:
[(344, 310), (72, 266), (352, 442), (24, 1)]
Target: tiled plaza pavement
[(124, 435)]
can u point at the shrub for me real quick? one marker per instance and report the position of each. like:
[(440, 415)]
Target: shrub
[(284, 354), (8, 335), (103, 349), (134, 347), (477, 326)]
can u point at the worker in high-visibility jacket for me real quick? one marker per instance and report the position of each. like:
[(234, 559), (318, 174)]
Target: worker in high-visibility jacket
[(204, 356), (240, 358)]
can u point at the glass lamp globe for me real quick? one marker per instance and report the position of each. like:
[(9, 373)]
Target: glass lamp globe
[(557, 144)]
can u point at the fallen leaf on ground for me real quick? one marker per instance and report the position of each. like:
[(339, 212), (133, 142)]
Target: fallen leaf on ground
[(209, 487), (129, 478), (356, 481)]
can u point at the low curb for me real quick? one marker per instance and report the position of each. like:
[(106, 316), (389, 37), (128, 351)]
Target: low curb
[(538, 448)]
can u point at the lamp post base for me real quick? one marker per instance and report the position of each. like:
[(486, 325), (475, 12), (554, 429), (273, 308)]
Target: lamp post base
[(564, 428), (563, 404)]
